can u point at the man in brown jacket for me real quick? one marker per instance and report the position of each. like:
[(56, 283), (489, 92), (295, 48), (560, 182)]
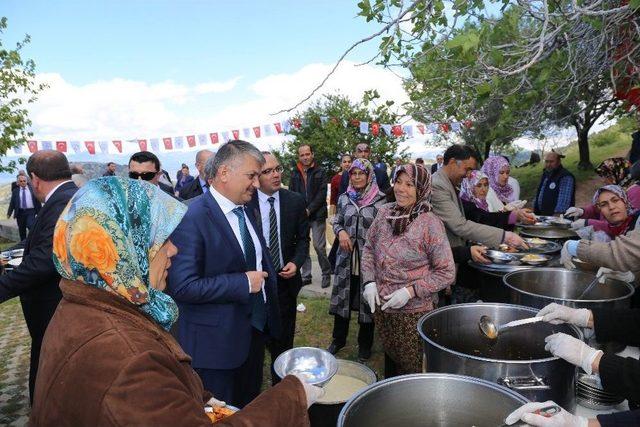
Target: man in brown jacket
[(458, 161)]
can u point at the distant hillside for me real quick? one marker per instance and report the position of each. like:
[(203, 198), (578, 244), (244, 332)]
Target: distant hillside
[(96, 169)]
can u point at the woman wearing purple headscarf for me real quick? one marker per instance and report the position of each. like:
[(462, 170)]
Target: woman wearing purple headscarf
[(497, 170), (478, 208)]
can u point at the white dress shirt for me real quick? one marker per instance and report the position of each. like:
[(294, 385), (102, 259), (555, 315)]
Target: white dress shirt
[(265, 208), (27, 198), (227, 207)]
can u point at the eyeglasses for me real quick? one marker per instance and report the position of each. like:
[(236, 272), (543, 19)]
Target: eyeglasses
[(145, 176), (277, 169)]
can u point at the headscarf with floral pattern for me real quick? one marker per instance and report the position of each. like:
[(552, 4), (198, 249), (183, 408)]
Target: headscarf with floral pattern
[(107, 236), (467, 187), (400, 217), (492, 167), (365, 196), (618, 191), (617, 169)]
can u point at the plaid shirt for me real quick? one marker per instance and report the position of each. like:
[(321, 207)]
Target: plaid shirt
[(564, 194)]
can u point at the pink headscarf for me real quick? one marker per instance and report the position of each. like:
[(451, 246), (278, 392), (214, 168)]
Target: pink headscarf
[(467, 186), (492, 167)]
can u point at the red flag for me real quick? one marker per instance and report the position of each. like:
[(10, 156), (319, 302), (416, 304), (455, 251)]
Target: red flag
[(236, 134), (256, 131), (421, 128), (444, 127), (278, 127), (142, 143), (33, 146), (214, 138), (375, 129), (297, 123), (468, 123), (168, 145), (118, 145), (355, 122), (61, 146), (396, 130), (191, 140), (91, 146)]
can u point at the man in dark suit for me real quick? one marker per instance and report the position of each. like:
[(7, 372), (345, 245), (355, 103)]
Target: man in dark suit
[(438, 164), (283, 223), (223, 280), (24, 206), (35, 280), (200, 184), (14, 184)]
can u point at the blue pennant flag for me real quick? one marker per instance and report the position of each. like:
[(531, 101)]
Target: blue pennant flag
[(155, 144), (179, 142), (364, 127), (202, 139)]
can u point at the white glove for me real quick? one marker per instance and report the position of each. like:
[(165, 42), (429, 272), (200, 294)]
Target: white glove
[(605, 273), (215, 403), (371, 295), (557, 314), (572, 350), (516, 204), (574, 212), (513, 240), (312, 392), (527, 414), (565, 257), (397, 299), (578, 224)]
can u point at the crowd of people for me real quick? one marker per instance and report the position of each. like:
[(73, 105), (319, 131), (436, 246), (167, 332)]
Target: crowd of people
[(131, 285)]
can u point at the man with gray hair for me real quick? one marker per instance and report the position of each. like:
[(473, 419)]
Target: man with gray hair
[(223, 280), (199, 185)]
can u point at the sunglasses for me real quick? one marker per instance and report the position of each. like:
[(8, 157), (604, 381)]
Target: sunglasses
[(145, 176)]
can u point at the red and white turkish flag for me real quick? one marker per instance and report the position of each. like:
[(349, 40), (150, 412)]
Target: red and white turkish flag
[(396, 130), (118, 145), (61, 146), (33, 146), (278, 127), (214, 137), (375, 129), (91, 146), (191, 140), (142, 143), (256, 131), (236, 134), (168, 145), (420, 128)]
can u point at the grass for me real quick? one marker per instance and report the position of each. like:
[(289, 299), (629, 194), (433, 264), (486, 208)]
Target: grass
[(313, 329), (611, 142)]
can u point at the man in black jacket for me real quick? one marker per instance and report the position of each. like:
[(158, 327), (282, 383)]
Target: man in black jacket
[(24, 206), (35, 280), (282, 219), (145, 165), (310, 181), (200, 184)]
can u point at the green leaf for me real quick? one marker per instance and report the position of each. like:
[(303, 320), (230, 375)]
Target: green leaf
[(634, 4), (483, 89)]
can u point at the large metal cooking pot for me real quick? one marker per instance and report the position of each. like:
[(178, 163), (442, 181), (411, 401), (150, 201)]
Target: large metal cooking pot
[(517, 359), (325, 413), (541, 286), (425, 400)]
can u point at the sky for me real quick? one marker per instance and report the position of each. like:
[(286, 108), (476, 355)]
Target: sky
[(153, 68)]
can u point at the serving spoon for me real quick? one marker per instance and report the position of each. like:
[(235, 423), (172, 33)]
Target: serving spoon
[(491, 331)]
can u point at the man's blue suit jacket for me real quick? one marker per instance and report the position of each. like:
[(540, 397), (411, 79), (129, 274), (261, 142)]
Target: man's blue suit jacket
[(207, 279)]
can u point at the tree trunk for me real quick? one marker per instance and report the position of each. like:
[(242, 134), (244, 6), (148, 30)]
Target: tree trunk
[(487, 150), (583, 148)]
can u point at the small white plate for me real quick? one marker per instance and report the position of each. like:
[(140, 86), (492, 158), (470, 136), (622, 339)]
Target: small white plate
[(15, 262)]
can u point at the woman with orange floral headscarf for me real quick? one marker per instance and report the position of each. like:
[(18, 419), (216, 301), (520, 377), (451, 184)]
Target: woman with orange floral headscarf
[(107, 356)]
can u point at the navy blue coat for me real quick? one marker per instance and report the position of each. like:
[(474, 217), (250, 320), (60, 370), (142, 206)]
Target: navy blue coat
[(207, 279)]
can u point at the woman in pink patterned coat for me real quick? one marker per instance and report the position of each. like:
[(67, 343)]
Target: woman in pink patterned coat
[(406, 260)]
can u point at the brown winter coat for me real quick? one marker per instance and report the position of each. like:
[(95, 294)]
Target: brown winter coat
[(620, 254), (104, 363)]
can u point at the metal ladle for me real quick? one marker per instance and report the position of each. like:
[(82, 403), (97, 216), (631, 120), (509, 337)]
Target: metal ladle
[(491, 331), (589, 287)]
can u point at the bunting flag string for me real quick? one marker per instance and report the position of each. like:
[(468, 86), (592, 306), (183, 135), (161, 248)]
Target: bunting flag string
[(177, 143)]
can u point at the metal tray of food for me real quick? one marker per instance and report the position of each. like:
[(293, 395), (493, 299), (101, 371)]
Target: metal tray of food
[(549, 233)]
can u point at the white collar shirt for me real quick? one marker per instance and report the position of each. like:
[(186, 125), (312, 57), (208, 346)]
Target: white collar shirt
[(54, 190)]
